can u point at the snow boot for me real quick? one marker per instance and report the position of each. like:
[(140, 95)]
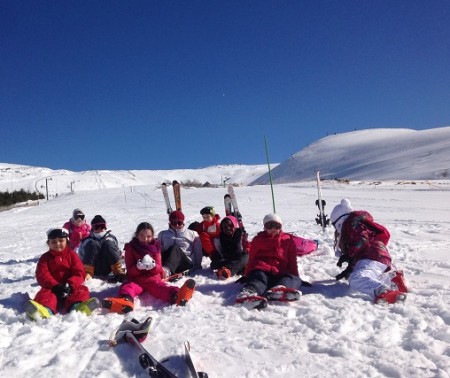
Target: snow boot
[(399, 281), (224, 273), (36, 311), (251, 300), (390, 296), (185, 292), (87, 307), (121, 305), (283, 294)]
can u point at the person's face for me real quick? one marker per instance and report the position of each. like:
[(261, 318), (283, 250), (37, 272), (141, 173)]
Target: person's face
[(99, 228), (207, 217), (145, 236), (57, 244), (79, 219), (177, 225), (272, 228), (227, 227)]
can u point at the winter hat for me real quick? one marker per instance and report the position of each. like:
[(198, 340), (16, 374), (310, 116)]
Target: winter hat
[(76, 213), (232, 219), (57, 232), (98, 219), (272, 218), (340, 214), (176, 215), (208, 210)]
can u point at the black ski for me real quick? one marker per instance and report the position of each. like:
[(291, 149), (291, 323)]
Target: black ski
[(237, 213), (147, 361), (322, 218)]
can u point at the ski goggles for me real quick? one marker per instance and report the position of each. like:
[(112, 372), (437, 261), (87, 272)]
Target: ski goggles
[(79, 216), (99, 226), (272, 225), (57, 233)]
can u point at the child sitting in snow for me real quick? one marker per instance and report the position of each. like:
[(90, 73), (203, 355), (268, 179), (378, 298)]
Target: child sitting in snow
[(362, 244), (60, 274), (145, 273), (208, 229), (78, 229), (272, 271), (231, 249)]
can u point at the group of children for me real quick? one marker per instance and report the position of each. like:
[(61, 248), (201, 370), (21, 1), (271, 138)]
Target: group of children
[(268, 264)]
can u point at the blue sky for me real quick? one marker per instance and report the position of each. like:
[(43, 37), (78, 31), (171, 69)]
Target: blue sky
[(188, 84)]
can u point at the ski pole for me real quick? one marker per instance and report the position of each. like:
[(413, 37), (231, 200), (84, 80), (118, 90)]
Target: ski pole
[(270, 174)]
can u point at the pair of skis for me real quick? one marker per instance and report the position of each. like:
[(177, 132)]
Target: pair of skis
[(135, 332), (231, 205), (322, 218), (176, 194)]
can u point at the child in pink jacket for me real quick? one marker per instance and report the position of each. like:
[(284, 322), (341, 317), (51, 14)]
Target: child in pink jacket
[(145, 273)]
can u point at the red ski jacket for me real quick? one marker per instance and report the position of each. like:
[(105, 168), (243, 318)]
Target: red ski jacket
[(275, 255)]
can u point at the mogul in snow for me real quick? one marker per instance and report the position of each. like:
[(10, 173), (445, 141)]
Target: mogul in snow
[(61, 275), (361, 243), (272, 271)]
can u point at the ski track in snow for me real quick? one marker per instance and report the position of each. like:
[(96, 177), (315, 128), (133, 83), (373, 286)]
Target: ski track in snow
[(330, 331)]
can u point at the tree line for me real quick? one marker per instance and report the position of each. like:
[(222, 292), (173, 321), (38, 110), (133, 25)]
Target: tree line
[(11, 198)]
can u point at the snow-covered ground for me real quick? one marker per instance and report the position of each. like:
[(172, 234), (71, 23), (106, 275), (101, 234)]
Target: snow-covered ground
[(330, 331)]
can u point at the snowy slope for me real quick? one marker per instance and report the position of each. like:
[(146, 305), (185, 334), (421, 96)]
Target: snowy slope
[(374, 154), (330, 331)]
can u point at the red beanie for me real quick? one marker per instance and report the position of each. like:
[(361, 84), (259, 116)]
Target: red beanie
[(176, 215)]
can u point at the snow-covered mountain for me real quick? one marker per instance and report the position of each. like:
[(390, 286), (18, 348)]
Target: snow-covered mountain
[(374, 154)]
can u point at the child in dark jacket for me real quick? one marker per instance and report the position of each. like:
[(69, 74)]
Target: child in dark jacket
[(361, 242), (60, 274), (231, 249), (272, 271), (145, 274)]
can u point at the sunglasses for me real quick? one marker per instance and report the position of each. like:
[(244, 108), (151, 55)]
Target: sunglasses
[(176, 223), (99, 227), (79, 216), (272, 225)]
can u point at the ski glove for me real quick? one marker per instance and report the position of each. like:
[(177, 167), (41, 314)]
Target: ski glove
[(62, 291), (147, 263), (343, 259)]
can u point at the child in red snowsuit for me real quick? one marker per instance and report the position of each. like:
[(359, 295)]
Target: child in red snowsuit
[(209, 229), (60, 273)]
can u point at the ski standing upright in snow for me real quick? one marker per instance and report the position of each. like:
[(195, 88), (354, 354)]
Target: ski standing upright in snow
[(177, 194), (166, 197), (322, 218), (228, 205), (236, 211)]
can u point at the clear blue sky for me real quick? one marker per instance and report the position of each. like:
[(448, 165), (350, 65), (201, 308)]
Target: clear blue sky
[(185, 84)]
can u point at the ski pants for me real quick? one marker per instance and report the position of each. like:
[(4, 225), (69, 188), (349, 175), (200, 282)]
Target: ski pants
[(176, 260), (155, 287), (46, 298), (369, 276), (259, 281), (236, 265)]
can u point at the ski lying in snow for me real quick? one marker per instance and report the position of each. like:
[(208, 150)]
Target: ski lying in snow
[(166, 197), (147, 361), (237, 213), (177, 194), (228, 205), (190, 363), (177, 276), (321, 217)]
